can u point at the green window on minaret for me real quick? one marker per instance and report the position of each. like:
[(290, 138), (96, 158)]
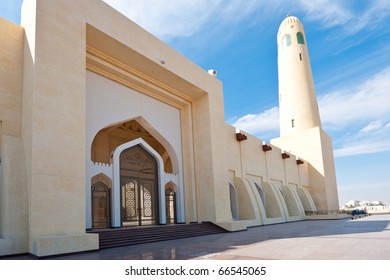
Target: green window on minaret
[(300, 38), (286, 41)]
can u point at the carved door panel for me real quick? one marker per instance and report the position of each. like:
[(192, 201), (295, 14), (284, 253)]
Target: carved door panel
[(170, 206), (139, 193), (129, 200), (148, 200), (100, 206)]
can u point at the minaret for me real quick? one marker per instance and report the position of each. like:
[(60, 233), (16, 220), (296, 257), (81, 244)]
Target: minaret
[(300, 125), (297, 97)]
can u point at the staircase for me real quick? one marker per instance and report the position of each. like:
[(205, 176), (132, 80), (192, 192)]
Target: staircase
[(137, 235)]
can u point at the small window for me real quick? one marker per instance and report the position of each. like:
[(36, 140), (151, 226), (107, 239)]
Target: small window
[(286, 41), (300, 56), (300, 38), (292, 123)]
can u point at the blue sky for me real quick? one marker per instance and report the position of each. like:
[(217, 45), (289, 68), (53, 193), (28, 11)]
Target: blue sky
[(349, 47)]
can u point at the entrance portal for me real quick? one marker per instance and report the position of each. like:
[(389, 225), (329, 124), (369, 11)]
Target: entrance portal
[(139, 187)]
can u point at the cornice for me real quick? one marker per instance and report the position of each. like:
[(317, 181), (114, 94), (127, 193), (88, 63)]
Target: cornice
[(113, 69)]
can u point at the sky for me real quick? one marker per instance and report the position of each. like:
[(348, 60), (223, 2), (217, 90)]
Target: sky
[(349, 48)]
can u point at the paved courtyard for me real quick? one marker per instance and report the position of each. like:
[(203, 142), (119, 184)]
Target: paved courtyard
[(366, 238)]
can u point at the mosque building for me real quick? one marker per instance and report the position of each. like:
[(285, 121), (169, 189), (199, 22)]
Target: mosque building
[(102, 125)]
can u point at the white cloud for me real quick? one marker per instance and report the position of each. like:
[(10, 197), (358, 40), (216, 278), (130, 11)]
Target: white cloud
[(361, 147), (376, 12), (167, 19), (362, 113), (329, 13), (183, 18), (346, 16), (263, 124), (365, 102), (372, 138), (372, 127)]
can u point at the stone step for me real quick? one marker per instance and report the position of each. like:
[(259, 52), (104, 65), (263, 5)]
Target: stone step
[(139, 235)]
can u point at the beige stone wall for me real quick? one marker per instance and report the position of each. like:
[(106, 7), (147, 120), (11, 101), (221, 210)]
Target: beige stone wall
[(13, 190), (11, 74), (314, 146), (54, 125), (210, 152), (246, 161), (14, 206)]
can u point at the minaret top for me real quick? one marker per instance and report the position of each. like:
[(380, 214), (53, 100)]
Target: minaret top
[(288, 21)]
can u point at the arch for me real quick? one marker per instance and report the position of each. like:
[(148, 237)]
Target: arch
[(101, 197), (170, 203), (286, 41), (138, 187), (300, 38), (261, 194), (272, 209), (291, 203), (306, 200), (101, 177), (135, 115), (107, 139), (164, 142), (116, 197), (233, 201)]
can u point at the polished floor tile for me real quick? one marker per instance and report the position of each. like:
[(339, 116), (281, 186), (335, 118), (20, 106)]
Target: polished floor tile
[(365, 238)]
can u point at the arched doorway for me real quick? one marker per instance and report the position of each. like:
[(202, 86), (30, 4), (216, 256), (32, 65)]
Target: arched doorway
[(100, 205), (139, 187), (170, 205), (106, 147)]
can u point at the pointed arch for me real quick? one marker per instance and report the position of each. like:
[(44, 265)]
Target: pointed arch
[(117, 179), (107, 139), (273, 207), (306, 200), (261, 193), (290, 200), (233, 201), (286, 41), (138, 187), (101, 201), (171, 202), (101, 177)]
